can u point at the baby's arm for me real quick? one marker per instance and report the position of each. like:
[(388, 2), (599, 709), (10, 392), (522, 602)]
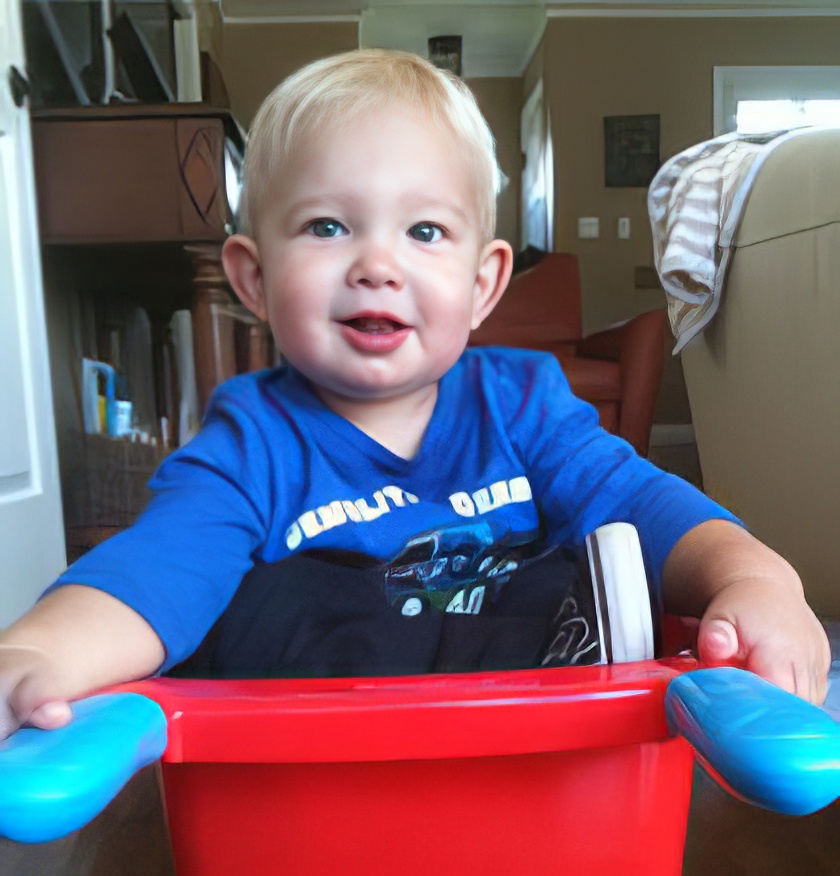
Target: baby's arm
[(752, 607), (75, 640)]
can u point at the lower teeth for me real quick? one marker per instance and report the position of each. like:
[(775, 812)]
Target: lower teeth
[(374, 327)]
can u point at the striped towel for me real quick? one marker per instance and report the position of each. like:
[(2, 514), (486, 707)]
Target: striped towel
[(695, 203)]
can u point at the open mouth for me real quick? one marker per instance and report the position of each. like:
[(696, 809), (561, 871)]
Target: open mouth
[(374, 325)]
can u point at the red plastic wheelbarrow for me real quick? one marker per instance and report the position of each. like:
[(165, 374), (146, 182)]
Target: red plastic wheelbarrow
[(562, 770), (543, 771)]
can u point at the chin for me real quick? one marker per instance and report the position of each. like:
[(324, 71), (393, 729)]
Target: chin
[(376, 391)]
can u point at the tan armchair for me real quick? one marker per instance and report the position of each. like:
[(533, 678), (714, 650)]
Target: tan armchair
[(763, 378)]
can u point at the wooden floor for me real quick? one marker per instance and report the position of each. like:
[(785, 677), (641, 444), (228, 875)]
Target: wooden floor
[(128, 839), (729, 838)]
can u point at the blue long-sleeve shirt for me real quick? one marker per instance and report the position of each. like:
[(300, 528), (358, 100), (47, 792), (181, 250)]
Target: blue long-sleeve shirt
[(273, 472)]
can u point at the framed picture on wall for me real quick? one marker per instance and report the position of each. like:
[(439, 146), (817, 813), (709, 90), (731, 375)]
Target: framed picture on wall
[(631, 150), (446, 52)]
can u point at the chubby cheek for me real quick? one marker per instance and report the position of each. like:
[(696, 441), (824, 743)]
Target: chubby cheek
[(446, 341), (293, 324), (293, 318), (451, 311)]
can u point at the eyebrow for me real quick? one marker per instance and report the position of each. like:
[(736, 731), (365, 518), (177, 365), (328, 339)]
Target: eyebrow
[(304, 205), (444, 205), (424, 209)]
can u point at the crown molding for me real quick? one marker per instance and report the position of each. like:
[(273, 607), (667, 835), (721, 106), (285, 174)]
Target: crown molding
[(598, 9), (532, 48), (289, 19)]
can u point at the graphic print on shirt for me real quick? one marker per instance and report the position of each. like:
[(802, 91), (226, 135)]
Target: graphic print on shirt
[(315, 521), (455, 568), (451, 567)]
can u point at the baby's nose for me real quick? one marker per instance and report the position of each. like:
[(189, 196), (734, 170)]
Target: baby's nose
[(376, 266)]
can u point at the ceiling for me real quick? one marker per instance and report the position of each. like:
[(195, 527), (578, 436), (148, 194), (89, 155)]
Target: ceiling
[(499, 36)]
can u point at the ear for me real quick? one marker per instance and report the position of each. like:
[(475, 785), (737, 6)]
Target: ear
[(241, 261), (495, 266)]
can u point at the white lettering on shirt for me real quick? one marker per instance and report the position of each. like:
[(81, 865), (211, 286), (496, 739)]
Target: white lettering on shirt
[(489, 498), (341, 511)]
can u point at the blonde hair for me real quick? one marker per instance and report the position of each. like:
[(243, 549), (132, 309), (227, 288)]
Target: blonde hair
[(357, 82)]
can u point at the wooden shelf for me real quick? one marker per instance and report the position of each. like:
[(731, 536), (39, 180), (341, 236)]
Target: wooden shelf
[(132, 174), (133, 211)]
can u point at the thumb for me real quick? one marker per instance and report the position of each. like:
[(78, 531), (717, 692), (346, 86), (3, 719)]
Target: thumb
[(717, 641), (50, 716), (28, 708)]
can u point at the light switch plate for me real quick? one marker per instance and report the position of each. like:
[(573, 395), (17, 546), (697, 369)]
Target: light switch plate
[(588, 228)]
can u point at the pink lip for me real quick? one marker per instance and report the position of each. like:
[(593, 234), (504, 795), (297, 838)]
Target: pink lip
[(372, 342)]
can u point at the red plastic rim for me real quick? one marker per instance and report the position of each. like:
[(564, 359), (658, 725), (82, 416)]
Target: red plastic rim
[(413, 718)]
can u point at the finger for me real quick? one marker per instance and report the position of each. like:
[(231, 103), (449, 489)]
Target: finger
[(28, 707), (823, 669), (812, 675), (8, 725), (815, 694), (821, 689), (717, 641), (51, 716), (9, 720), (783, 674), (818, 684)]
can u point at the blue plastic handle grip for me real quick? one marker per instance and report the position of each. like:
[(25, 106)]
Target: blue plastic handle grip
[(772, 748), (53, 782)]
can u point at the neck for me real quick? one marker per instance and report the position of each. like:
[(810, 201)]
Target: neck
[(396, 423)]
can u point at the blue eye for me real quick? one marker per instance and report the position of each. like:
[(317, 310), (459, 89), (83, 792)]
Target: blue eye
[(326, 228), (426, 232)]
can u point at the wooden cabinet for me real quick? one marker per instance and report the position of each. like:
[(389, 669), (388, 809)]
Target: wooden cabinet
[(132, 174), (133, 211)]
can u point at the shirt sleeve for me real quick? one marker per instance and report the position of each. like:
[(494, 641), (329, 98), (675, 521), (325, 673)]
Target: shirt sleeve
[(583, 477), (179, 565)]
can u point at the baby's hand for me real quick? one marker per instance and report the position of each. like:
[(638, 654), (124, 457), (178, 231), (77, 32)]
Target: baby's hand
[(752, 607), (24, 676), (73, 641), (768, 628)]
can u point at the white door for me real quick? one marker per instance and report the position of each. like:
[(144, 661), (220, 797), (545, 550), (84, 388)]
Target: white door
[(31, 530)]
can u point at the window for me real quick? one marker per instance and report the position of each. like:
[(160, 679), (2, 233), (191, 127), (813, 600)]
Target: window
[(754, 116), (537, 174), (753, 99)]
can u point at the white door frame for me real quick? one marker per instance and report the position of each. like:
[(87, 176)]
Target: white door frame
[(32, 550)]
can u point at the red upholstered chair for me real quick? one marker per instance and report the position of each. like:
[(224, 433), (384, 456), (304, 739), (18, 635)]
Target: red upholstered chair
[(618, 370)]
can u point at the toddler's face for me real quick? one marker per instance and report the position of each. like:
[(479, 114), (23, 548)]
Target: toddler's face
[(371, 269)]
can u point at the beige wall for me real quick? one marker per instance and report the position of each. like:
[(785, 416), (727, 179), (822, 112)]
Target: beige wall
[(591, 68), (603, 67), (256, 57), (500, 100)]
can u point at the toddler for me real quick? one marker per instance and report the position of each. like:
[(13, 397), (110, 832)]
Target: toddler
[(385, 474)]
